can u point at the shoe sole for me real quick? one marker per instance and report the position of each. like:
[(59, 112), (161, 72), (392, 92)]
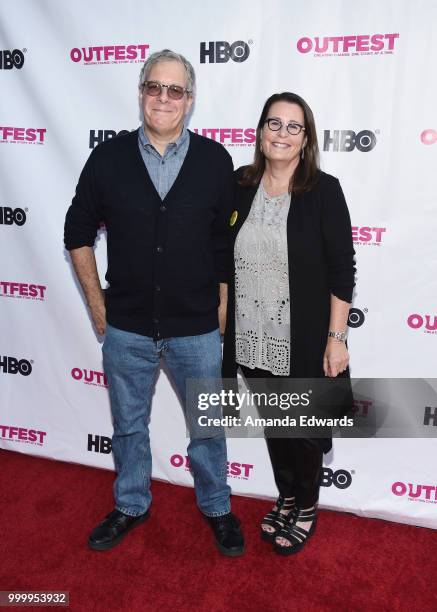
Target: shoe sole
[(229, 552), (118, 539)]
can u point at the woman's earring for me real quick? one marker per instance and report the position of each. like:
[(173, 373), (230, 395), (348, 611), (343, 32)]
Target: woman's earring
[(302, 153)]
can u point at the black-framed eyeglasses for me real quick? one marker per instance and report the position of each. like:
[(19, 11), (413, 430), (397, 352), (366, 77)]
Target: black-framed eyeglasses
[(293, 128), (154, 88)]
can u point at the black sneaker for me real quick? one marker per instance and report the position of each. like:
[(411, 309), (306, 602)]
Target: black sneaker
[(228, 536), (113, 529)]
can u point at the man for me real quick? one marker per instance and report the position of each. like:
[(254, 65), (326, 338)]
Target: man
[(164, 194)]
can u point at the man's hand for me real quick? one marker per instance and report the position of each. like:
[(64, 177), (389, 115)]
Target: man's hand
[(223, 307), (98, 315), (84, 263), (222, 317)]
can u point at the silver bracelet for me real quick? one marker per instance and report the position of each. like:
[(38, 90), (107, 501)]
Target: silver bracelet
[(341, 336)]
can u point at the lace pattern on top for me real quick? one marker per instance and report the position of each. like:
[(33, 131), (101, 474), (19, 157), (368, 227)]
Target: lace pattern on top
[(262, 300)]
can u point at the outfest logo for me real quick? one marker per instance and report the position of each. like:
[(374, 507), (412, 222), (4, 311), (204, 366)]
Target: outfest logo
[(90, 377), (358, 44), (27, 291), (425, 322), (367, 236), (242, 471), (361, 407), (429, 137), (229, 137), (415, 492), (22, 135), (22, 435), (109, 54)]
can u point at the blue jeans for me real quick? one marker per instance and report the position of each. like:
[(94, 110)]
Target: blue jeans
[(131, 364)]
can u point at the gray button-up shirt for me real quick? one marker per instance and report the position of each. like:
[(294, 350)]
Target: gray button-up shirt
[(163, 169)]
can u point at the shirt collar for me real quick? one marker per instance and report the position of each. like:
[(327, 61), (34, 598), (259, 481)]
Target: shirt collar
[(145, 142)]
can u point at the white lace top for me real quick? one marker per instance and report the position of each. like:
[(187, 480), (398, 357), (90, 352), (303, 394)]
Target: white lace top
[(262, 299)]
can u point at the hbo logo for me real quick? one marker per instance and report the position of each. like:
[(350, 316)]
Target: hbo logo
[(341, 479), (8, 216), (99, 444), (347, 140), (11, 365), (221, 52), (98, 136), (11, 59), (356, 317)]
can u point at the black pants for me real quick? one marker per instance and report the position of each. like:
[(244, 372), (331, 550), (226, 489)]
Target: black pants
[(296, 462)]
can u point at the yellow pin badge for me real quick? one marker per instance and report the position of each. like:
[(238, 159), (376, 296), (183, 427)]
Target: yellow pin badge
[(234, 218)]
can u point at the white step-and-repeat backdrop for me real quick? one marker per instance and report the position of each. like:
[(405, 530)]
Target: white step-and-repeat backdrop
[(68, 79)]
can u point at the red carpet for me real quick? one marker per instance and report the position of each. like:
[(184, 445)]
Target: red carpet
[(170, 562)]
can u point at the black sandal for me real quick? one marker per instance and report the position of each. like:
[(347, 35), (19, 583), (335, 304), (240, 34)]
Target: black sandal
[(294, 534), (277, 519)]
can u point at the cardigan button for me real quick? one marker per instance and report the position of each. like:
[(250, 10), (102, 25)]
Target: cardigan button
[(163, 208), (160, 249)]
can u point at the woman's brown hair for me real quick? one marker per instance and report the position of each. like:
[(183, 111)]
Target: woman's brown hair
[(305, 175)]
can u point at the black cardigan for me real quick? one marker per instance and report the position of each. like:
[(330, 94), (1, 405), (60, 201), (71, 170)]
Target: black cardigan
[(165, 257), (320, 262)]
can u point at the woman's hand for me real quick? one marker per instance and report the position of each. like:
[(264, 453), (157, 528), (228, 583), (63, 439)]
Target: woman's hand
[(336, 358)]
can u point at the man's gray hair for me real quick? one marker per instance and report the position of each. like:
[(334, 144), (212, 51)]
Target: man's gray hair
[(167, 55)]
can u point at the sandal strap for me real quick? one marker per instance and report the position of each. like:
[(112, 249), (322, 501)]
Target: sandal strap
[(269, 519), (298, 531), (304, 516), (282, 520), (291, 533), (278, 505), (283, 503), (278, 518)]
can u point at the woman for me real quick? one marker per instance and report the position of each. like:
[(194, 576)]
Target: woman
[(290, 292)]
